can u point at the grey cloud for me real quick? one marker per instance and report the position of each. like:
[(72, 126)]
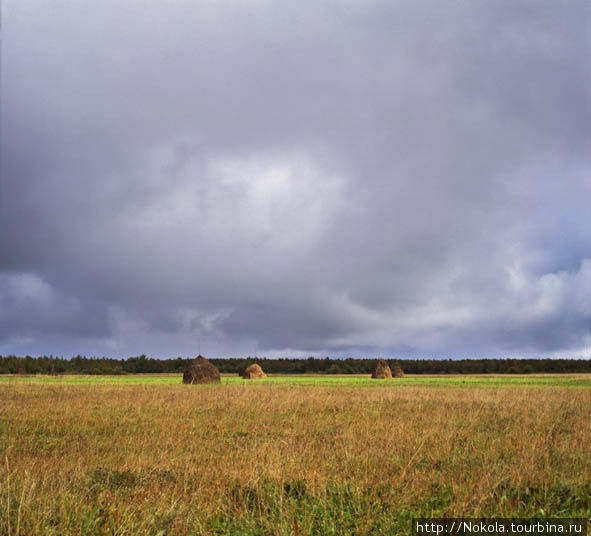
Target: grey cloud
[(328, 177)]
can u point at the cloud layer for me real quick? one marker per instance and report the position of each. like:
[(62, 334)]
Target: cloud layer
[(307, 178)]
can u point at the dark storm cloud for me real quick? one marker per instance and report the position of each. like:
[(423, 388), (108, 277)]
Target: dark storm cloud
[(328, 177)]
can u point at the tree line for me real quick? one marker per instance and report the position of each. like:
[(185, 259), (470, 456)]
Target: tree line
[(312, 365)]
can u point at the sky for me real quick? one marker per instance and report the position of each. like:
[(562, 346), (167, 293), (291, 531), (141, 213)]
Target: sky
[(341, 178)]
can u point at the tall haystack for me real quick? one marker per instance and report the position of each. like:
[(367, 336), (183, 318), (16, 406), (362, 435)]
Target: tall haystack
[(253, 372), (201, 371), (382, 370), (397, 372)]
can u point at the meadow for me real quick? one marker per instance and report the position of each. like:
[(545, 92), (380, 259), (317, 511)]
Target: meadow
[(318, 455)]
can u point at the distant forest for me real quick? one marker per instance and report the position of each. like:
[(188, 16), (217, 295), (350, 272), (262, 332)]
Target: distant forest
[(143, 364)]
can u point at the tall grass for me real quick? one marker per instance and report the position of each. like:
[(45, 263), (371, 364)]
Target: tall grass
[(275, 458)]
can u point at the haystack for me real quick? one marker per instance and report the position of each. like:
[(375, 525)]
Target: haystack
[(382, 370), (201, 371), (253, 372), (397, 372)]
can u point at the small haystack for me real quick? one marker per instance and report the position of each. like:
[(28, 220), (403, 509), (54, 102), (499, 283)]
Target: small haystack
[(397, 372), (382, 370), (201, 371), (253, 372)]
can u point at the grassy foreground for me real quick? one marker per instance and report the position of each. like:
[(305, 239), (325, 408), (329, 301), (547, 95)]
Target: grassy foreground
[(303, 455)]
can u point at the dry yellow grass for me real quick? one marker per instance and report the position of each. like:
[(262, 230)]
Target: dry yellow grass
[(281, 459)]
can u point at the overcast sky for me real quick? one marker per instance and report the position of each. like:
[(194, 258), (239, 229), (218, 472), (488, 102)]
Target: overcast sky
[(296, 178)]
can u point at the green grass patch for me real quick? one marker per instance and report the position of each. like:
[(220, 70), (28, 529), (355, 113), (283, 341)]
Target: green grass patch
[(549, 380)]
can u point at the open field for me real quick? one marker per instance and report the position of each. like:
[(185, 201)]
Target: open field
[(288, 455), (351, 380)]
